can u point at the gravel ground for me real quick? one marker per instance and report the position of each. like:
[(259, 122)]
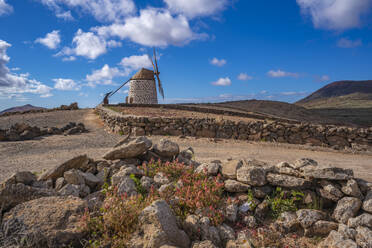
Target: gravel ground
[(46, 152)]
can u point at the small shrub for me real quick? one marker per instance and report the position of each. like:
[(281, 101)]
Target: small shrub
[(173, 170), (282, 201), (139, 187), (201, 194), (117, 220)]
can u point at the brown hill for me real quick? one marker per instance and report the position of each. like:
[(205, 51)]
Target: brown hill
[(341, 94), (23, 108)]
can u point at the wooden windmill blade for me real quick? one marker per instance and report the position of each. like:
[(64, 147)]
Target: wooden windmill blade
[(156, 71)]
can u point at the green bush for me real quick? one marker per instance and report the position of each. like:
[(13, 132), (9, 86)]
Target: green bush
[(282, 201)]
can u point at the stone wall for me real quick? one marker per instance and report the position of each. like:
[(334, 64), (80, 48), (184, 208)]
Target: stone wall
[(338, 137)]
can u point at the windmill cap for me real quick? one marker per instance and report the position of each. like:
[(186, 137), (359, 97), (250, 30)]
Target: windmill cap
[(143, 74)]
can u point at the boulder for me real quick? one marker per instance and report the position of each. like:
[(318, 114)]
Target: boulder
[(14, 194), (361, 220), (25, 177), (321, 227), (235, 186), (60, 182), (300, 163), (91, 180), (330, 191), (351, 188), (58, 171), (158, 227), (288, 222), (367, 204), (131, 149), (167, 149), (287, 181), (231, 212), (329, 173), (307, 217), (226, 233), (74, 190), (252, 175), (363, 237), (230, 167), (146, 182), (346, 232), (127, 186), (191, 226), (336, 240), (346, 208), (262, 192), (74, 176), (45, 222)]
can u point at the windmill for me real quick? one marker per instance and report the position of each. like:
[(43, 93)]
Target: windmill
[(142, 89)]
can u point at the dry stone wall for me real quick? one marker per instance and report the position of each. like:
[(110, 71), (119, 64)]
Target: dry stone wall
[(338, 137)]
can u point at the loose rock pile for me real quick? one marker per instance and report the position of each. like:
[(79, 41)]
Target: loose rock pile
[(23, 131), (337, 137), (46, 211)]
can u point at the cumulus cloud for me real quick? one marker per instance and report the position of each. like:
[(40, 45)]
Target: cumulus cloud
[(85, 44), (153, 27), (5, 8), (66, 15), (347, 43), (101, 10), (65, 84), (218, 62), (280, 73), (17, 84), (127, 65), (244, 77), (51, 40), (104, 76), (335, 14), (195, 8), (222, 82), (136, 62)]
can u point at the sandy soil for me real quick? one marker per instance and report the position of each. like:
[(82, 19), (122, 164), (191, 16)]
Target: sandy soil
[(46, 152)]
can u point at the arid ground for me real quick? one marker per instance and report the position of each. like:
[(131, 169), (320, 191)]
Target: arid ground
[(37, 155)]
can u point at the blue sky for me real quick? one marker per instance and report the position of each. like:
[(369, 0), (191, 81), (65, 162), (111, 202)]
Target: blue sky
[(54, 52)]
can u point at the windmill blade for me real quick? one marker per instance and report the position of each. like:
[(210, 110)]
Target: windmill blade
[(160, 86), (156, 62), (149, 56)]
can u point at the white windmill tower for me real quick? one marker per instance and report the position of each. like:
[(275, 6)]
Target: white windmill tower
[(142, 89)]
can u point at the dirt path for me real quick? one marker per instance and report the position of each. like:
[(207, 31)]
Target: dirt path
[(44, 153)]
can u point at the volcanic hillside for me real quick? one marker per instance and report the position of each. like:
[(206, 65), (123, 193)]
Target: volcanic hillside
[(20, 109), (341, 94)]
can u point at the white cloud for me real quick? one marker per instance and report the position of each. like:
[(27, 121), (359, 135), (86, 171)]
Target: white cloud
[(51, 40), (335, 14), (194, 8), (101, 10), (218, 62), (17, 84), (104, 76), (65, 84), (222, 82), (86, 44), (69, 58), (67, 16), (280, 73), (136, 62), (153, 27), (347, 43), (244, 77), (5, 8)]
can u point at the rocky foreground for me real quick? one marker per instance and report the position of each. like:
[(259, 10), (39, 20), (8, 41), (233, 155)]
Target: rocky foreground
[(154, 195)]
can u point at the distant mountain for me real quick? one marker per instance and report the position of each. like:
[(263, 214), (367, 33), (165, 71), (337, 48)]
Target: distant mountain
[(20, 109), (341, 94)]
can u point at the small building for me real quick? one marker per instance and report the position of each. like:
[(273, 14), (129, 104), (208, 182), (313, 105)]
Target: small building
[(142, 89)]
